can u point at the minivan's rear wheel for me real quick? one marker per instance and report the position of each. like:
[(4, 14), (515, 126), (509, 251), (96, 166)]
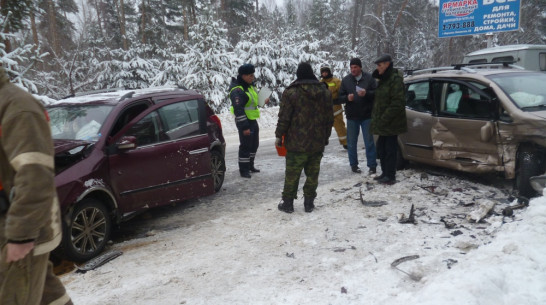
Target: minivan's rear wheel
[(88, 231), (530, 163), (218, 165)]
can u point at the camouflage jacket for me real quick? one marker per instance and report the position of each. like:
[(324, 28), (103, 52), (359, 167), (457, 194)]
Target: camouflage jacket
[(27, 171), (389, 110), (305, 116)]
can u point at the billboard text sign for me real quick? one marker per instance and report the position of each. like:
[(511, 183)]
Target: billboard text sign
[(469, 17)]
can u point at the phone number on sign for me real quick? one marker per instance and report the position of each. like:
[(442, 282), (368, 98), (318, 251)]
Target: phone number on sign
[(460, 25)]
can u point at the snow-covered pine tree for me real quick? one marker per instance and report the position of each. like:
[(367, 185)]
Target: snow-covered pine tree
[(17, 57), (208, 62), (132, 69)]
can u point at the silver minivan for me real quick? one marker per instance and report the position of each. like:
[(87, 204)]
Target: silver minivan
[(527, 56), (477, 120)]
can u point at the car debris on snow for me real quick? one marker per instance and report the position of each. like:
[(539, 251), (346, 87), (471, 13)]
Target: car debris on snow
[(484, 208), (398, 261), (409, 219), (98, 261)]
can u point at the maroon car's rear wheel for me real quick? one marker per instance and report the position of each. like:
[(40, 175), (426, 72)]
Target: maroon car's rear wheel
[(88, 231), (218, 169)]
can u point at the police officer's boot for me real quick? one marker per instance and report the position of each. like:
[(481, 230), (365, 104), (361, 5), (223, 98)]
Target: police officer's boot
[(244, 169), (308, 204), (286, 205), (252, 168)]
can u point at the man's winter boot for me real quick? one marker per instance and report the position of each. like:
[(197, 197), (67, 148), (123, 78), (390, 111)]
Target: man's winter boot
[(286, 205), (308, 204), (252, 168)]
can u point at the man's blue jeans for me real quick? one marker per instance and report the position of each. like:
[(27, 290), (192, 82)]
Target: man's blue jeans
[(353, 129)]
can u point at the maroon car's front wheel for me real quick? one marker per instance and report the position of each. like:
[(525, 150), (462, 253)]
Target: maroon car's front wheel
[(218, 169), (88, 230)]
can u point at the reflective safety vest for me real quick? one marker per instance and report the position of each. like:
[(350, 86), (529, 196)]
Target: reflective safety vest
[(251, 108)]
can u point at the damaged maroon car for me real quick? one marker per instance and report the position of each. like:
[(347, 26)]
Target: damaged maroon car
[(121, 153)]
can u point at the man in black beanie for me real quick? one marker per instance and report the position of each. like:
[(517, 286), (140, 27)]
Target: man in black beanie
[(305, 120), (244, 104), (356, 92)]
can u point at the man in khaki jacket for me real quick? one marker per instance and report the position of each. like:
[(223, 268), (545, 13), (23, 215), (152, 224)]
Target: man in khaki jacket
[(333, 84), (30, 225)]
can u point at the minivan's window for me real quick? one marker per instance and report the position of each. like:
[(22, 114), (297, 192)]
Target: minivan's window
[(180, 119), (463, 101), (417, 97), (77, 122), (526, 90)]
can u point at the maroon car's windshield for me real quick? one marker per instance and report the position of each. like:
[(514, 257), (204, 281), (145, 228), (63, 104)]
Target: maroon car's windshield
[(77, 122)]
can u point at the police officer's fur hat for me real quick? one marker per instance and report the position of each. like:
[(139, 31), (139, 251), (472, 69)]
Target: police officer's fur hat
[(246, 69)]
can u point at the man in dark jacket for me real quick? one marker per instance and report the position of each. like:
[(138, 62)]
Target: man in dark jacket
[(244, 104), (388, 116), (305, 120), (357, 90), (30, 219)]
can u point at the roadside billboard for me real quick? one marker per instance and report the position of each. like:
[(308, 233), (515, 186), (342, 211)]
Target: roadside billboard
[(470, 17)]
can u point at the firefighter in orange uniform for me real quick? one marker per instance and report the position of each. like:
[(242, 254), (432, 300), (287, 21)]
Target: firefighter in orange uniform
[(30, 219), (333, 85)]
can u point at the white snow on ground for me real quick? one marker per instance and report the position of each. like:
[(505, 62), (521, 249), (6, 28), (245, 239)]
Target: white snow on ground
[(235, 247)]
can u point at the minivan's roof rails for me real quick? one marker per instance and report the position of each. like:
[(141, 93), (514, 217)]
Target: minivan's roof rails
[(428, 70), (466, 67)]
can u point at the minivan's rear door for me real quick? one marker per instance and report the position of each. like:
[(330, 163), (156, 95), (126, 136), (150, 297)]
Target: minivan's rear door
[(465, 132), (171, 161), (416, 143)]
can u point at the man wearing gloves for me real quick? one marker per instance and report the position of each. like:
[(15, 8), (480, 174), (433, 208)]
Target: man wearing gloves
[(244, 104), (30, 220), (305, 121)]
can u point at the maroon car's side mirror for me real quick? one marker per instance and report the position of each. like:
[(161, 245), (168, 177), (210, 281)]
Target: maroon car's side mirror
[(126, 143)]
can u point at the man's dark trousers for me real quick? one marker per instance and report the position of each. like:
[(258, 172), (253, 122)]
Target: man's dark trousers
[(248, 146), (387, 147)]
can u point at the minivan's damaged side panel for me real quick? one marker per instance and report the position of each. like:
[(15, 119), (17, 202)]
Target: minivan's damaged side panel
[(466, 144), (526, 129)]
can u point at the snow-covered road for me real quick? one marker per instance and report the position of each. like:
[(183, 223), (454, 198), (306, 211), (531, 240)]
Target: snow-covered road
[(235, 247)]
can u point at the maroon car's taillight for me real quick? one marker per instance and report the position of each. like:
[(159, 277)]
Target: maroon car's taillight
[(216, 120)]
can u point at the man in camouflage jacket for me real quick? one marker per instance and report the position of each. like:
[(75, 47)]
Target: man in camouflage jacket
[(305, 120), (388, 116), (30, 225)]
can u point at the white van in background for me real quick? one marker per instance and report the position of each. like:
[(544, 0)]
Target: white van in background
[(528, 56)]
